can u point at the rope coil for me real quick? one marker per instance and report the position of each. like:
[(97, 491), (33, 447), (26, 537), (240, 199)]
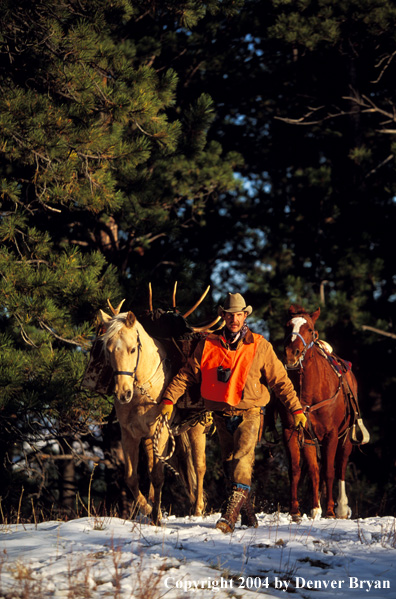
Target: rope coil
[(163, 422)]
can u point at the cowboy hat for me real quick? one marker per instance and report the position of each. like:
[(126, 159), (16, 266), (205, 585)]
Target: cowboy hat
[(234, 303)]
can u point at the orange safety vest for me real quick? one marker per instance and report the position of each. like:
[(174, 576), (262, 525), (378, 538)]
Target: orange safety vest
[(239, 361)]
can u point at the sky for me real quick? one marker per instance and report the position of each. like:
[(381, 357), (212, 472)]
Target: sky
[(99, 557)]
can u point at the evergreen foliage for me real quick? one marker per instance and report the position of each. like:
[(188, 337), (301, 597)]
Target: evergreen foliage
[(99, 160)]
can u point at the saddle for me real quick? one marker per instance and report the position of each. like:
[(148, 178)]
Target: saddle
[(343, 368), (179, 341)]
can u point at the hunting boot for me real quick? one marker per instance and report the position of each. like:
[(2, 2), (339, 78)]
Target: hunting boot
[(248, 517), (235, 502)]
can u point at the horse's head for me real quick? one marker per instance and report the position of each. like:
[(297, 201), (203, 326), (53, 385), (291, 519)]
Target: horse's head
[(300, 334), (123, 347)]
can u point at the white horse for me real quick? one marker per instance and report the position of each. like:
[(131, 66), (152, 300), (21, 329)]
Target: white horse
[(141, 374)]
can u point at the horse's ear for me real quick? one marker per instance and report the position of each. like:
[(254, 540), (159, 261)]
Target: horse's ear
[(130, 320), (315, 315)]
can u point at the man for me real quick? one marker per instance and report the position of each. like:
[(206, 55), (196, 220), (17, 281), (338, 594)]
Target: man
[(234, 369)]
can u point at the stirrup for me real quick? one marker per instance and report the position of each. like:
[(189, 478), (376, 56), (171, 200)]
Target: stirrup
[(359, 433)]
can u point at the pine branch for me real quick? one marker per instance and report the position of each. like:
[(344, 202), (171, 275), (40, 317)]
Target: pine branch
[(379, 331), (81, 343)]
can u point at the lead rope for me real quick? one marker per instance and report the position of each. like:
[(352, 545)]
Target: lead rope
[(163, 422)]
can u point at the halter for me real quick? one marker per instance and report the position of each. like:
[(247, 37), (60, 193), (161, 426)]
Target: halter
[(132, 373)]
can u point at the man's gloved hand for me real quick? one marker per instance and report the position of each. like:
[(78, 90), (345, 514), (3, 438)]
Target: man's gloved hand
[(166, 408), (299, 418)]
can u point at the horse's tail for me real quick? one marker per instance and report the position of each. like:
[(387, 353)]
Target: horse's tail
[(185, 465)]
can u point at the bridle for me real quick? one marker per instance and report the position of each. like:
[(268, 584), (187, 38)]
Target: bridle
[(133, 372), (307, 346)]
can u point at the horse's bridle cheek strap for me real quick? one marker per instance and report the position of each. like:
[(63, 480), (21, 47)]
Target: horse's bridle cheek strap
[(307, 346), (127, 372)]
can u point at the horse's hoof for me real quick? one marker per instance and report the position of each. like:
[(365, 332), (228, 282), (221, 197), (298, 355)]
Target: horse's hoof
[(316, 513), (296, 517), (343, 514), (158, 523), (145, 509)]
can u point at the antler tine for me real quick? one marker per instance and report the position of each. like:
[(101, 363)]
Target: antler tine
[(115, 311), (150, 298), (197, 304), (207, 326), (174, 295), (219, 326)]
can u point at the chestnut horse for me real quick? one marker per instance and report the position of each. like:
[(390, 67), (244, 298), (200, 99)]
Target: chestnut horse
[(141, 373), (329, 398)]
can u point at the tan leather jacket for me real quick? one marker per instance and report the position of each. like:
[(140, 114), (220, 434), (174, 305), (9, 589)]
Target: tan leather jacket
[(266, 371)]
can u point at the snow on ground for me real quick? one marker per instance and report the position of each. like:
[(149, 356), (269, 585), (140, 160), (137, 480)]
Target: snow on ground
[(187, 557)]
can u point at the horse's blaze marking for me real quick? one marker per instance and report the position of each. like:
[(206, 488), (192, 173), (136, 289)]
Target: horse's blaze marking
[(297, 323)]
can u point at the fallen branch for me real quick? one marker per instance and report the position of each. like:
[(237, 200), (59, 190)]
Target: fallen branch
[(73, 456)]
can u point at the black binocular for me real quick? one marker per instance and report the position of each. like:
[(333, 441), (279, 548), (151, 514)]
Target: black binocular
[(223, 374)]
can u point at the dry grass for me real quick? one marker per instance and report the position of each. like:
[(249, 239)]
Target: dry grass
[(112, 573)]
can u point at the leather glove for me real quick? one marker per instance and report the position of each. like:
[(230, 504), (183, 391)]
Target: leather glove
[(299, 418), (166, 408)]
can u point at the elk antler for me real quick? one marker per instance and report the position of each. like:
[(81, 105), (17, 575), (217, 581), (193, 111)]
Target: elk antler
[(198, 329), (115, 311), (206, 327), (195, 306), (150, 298), (174, 295)]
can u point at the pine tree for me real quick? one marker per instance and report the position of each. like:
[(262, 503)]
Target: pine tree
[(100, 163)]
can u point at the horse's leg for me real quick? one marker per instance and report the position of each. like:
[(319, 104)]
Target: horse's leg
[(343, 452), (148, 447), (197, 438), (310, 455), (292, 446), (130, 447), (156, 473), (329, 454)]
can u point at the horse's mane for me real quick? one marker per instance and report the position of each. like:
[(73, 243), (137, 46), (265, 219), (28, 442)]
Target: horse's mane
[(116, 324)]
